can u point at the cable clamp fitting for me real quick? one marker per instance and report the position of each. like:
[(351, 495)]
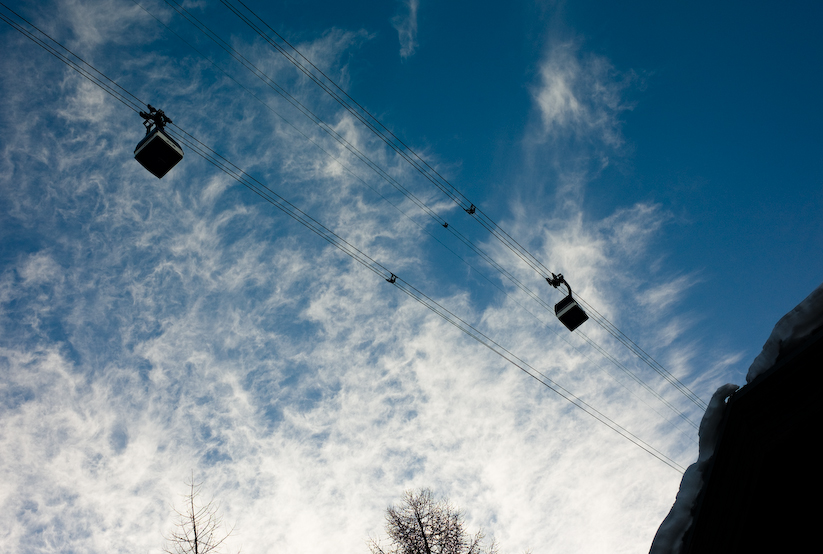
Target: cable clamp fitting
[(154, 118), (557, 280)]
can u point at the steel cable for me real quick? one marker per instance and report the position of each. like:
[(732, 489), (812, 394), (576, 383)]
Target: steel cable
[(335, 240), (447, 188)]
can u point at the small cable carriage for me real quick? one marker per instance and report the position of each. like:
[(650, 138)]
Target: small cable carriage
[(568, 311), (157, 152)]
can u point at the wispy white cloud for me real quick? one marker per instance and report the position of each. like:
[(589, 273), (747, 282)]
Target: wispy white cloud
[(85, 25), (663, 295), (329, 52), (406, 25), (580, 95)]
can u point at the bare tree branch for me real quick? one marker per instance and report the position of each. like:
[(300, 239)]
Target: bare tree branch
[(423, 525), (198, 529)]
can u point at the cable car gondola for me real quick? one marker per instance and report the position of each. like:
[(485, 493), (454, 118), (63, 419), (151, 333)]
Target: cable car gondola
[(157, 152), (568, 311)]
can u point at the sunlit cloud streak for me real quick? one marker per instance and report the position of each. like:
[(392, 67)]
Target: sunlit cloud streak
[(406, 26), (581, 94)]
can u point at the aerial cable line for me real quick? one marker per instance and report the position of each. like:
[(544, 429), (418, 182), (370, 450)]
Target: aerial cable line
[(336, 136), (359, 256), (516, 247), (406, 152), (425, 169), (639, 352), (112, 91), (397, 145), (347, 248), (108, 89), (268, 81), (194, 21), (394, 142), (372, 123), (470, 245), (450, 317)]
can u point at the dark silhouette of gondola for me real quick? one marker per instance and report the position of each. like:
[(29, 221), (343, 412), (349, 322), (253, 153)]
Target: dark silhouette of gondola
[(157, 152), (568, 311)]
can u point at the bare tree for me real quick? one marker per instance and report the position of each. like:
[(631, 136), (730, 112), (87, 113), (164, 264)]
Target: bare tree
[(199, 528), (423, 525)]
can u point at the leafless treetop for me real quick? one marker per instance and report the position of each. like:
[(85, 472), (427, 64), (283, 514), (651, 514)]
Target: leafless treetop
[(198, 529), (423, 525)]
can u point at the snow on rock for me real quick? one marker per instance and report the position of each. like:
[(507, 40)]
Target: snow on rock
[(792, 328), (802, 321), (669, 537)]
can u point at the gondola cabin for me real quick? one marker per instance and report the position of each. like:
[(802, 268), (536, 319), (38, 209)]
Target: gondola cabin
[(568, 311), (158, 153), (570, 314)]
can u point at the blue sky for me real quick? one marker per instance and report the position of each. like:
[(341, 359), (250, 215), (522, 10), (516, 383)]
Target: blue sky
[(665, 158)]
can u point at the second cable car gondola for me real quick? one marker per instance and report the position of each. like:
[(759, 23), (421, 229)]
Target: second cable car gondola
[(568, 311), (157, 152)]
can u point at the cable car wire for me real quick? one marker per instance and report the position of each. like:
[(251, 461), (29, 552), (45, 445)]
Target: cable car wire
[(340, 243), (424, 170), (639, 352), (450, 317), (63, 58), (194, 21), (369, 163), (468, 243), (464, 204), (407, 153), (387, 136)]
